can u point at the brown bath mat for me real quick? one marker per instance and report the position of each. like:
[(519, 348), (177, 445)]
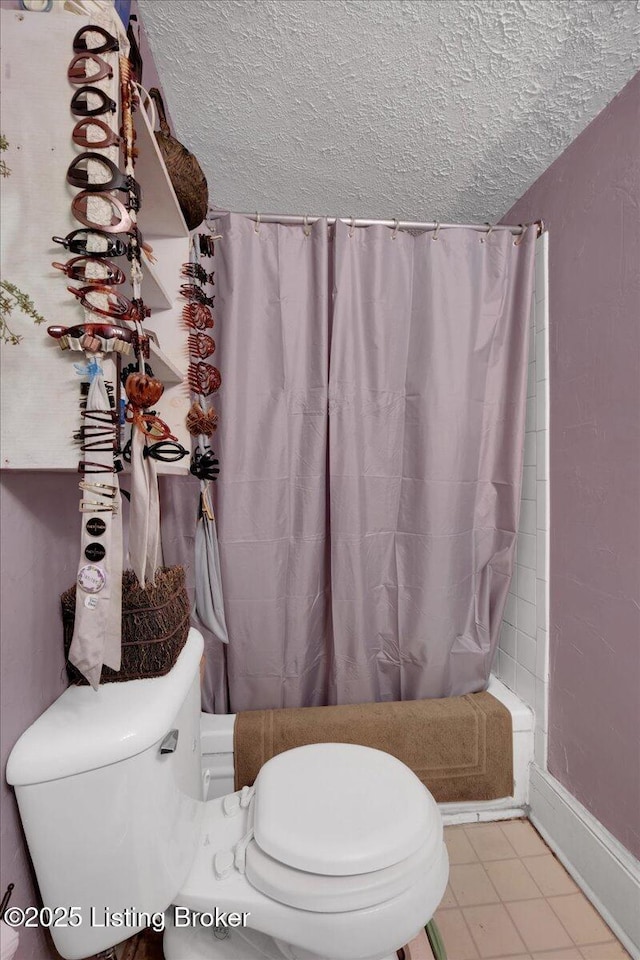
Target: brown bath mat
[(460, 747)]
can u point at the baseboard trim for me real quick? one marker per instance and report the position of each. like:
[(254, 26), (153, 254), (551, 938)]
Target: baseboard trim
[(607, 873)]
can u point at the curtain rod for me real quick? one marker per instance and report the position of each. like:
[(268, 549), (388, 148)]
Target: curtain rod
[(294, 219)]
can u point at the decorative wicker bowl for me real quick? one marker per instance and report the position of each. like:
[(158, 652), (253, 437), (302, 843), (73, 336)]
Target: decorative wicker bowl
[(155, 625)]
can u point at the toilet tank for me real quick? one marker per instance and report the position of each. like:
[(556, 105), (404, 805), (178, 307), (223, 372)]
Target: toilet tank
[(110, 794)]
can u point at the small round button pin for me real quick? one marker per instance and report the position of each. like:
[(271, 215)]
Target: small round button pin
[(95, 527), (94, 552), (91, 579)]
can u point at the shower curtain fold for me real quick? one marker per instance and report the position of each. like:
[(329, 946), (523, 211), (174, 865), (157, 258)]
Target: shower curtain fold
[(371, 443)]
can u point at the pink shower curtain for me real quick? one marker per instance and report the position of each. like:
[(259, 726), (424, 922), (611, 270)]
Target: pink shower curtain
[(370, 441)]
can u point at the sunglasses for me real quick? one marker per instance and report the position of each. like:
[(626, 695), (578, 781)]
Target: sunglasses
[(76, 269), (117, 306), (80, 134), (120, 220), (77, 71), (80, 44), (76, 242), (80, 103), (78, 176)]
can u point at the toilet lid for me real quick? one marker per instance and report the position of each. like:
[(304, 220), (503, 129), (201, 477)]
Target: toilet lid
[(338, 809)]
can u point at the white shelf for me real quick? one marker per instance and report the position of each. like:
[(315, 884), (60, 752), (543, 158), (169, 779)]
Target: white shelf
[(162, 217)]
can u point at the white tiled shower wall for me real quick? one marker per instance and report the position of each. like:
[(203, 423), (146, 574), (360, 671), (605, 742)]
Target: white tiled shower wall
[(523, 653)]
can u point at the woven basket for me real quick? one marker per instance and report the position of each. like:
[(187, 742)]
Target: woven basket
[(155, 625), (189, 182)]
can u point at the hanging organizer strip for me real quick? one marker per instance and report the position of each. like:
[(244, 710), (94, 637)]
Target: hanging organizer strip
[(98, 618), (202, 420)]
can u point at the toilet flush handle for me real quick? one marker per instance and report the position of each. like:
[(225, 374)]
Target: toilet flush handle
[(170, 742)]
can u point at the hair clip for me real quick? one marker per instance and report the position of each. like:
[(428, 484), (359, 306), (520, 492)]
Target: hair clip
[(197, 316), (77, 267), (190, 291), (80, 44), (142, 390), (206, 244), (79, 177), (201, 422), (201, 345), (80, 104), (77, 70), (117, 306), (203, 378), (100, 416), (83, 466), (95, 506), (76, 242), (102, 489), (80, 134), (196, 272), (120, 220), (204, 466)]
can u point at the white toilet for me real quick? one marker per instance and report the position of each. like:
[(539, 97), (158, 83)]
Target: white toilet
[(337, 851)]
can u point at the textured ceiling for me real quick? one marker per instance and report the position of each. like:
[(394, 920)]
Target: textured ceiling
[(417, 109)]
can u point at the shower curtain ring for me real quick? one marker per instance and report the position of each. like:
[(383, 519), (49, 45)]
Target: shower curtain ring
[(352, 227), (518, 240), (256, 229), (396, 227), (436, 231), (488, 233), (306, 228)]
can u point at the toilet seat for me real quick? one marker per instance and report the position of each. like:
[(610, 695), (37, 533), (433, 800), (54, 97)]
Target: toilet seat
[(339, 809), (332, 894)]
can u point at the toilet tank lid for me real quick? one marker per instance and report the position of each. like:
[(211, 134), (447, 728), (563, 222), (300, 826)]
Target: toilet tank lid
[(86, 729)]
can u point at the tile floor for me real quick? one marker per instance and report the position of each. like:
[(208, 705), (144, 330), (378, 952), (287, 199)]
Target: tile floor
[(509, 898)]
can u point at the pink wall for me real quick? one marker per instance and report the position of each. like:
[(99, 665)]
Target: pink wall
[(39, 556), (590, 199)]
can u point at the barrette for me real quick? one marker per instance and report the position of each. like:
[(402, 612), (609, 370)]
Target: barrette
[(117, 306), (80, 102), (102, 489), (197, 316), (77, 240), (100, 416), (196, 272), (120, 220), (165, 451), (80, 134), (107, 331), (190, 291), (204, 466), (95, 506), (77, 176), (80, 44), (76, 269), (201, 345), (77, 71), (83, 467), (203, 378)]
